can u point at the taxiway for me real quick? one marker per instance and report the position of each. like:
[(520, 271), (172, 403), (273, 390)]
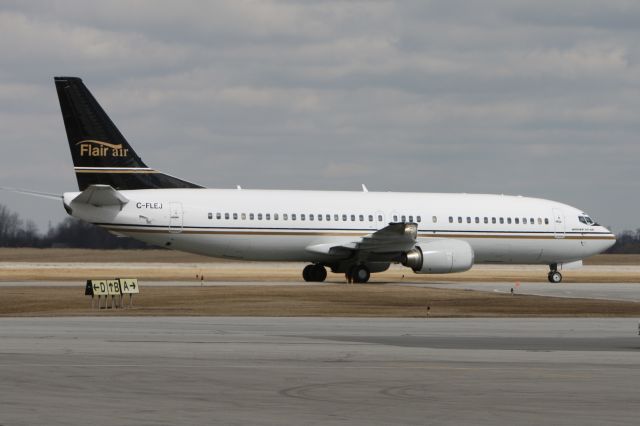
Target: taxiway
[(238, 370)]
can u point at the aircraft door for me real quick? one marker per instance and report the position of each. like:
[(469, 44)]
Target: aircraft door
[(558, 223), (175, 218)]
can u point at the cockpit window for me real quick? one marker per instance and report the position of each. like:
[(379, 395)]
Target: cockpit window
[(587, 220)]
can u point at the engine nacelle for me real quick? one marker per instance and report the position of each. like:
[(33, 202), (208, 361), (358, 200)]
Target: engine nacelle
[(439, 257)]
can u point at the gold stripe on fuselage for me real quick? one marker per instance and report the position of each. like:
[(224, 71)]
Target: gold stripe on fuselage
[(351, 234), (109, 171)]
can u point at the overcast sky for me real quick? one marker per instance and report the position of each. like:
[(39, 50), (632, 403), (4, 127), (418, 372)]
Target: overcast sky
[(539, 98)]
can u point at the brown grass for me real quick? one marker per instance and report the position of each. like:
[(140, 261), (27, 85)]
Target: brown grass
[(325, 300), (171, 256), (165, 265)]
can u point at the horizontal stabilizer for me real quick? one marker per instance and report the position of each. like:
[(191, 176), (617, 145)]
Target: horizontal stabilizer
[(100, 196), (33, 193)]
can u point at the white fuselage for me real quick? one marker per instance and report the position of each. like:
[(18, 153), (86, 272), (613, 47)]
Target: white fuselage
[(282, 225)]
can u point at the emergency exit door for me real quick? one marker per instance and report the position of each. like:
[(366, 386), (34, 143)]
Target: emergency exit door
[(175, 218)]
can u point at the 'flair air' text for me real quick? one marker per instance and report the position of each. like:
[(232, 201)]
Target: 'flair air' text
[(93, 148)]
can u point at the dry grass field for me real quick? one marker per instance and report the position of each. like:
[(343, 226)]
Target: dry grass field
[(332, 299), (165, 265), (329, 300), (170, 256)]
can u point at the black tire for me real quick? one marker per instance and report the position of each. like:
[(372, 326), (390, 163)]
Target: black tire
[(361, 274), (307, 273), (555, 277), (318, 273)]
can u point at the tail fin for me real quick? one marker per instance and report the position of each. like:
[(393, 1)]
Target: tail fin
[(101, 155)]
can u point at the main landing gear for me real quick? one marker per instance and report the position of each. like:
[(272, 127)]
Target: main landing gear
[(554, 276), (314, 273), (358, 274)]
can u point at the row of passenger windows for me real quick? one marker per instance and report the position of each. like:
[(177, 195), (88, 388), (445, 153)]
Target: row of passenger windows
[(362, 218), (502, 220), (295, 216)]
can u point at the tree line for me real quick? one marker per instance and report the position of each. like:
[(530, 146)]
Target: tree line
[(74, 233), (71, 233)]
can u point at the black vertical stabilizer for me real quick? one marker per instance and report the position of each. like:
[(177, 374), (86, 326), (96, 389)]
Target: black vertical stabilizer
[(101, 155)]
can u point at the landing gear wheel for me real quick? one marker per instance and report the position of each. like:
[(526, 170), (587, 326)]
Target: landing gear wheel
[(554, 277), (319, 273), (306, 272), (314, 273), (360, 274)]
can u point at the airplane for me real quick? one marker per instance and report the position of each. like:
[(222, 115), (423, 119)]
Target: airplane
[(355, 233)]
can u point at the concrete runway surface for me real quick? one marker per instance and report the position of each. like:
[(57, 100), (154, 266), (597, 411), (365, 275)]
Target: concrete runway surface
[(629, 292), (237, 370)]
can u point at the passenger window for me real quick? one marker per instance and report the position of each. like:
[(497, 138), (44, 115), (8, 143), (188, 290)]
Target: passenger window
[(243, 216), (353, 218), (546, 221), (370, 218), (293, 216), (477, 219), (251, 216), (259, 216), (450, 219), (267, 216), (336, 217), (395, 218), (468, 219), (434, 219), (302, 217), (210, 215), (539, 221), (531, 221), (501, 220), (379, 218), (285, 216), (516, 221), (509, 220), (404, 218), (361, 217), (328, 217), (320, 217), (459, 219), (418, 219), (493, 220), (411, 219), (310, 217), (235, 216), (218, 215), (226, 216), (486, 219)]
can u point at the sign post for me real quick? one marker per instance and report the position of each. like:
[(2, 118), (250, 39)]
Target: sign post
[(113, 289), (99, 289), (129, 286)]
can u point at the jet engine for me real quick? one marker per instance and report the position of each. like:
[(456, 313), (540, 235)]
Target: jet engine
[(439, 257)]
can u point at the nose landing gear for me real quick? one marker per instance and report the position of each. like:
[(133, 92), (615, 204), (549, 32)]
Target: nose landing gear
[(554, 276)]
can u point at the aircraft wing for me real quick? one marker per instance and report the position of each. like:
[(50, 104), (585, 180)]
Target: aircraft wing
[(393, 238)]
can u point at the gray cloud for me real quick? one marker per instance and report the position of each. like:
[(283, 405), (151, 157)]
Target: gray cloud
[(534, 98)]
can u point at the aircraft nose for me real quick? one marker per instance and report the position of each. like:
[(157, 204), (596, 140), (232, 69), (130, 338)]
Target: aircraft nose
[(608, 242)]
